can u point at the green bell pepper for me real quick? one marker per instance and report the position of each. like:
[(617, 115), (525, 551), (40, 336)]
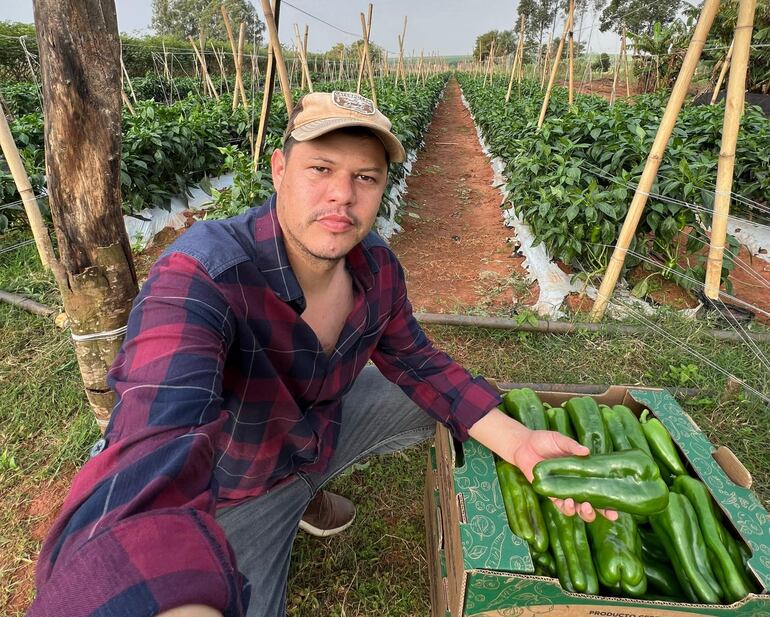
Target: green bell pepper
[(652, 549), (615, 429), (626, 481), (544, 564), (522, 507), (731, 577), (618, 555), (661, 444), (525, 406), (661, 580), (588, 423), (679, 533), (558, 420), (632, 427), (571, 551)]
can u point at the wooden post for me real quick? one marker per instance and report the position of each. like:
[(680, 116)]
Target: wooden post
[(734, 100), (21, 179), (267, 93), (557, 57), (655, 157), (275, 45), (241, 45), (571, 34), (82, 111), (362, 59), (304, 69), (723, 72), (342, 62)]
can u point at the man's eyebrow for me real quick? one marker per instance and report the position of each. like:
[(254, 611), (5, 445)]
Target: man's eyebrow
[(323, 159)]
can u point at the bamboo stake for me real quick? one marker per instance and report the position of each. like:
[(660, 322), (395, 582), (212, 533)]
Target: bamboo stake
[(400, 65), (267, 92), (655, 157), (557, 57), (23, 186), (571, 95), (547, 59), (166, 72), (303, 60), (239, 81), (342, 61), (204, 64), (625, 64), (222, 73), (127, 103), (367, 29), (488, 69), (723, 72), (362, 61), (275, 44), (616, 72), (734, 100), (304, 53), (128, 79), (231, 38), (206, 78), (515, 60)]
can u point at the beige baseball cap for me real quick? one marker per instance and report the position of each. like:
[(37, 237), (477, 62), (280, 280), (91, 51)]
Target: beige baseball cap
[(318, 113)]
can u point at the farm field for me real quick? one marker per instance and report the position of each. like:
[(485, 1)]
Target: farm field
[(491, 216)]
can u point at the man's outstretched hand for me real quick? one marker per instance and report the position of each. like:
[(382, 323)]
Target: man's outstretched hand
[(525, 448)]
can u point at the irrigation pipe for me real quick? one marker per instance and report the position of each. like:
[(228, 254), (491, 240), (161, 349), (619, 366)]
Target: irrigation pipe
[(27, 304), (566, 327)]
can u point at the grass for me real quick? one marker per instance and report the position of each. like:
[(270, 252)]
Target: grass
[(378, 566)]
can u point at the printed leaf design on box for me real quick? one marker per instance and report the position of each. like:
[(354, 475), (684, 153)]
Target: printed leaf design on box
[(486, 538)]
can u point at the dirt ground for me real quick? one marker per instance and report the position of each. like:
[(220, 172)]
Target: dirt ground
[(454, 247)]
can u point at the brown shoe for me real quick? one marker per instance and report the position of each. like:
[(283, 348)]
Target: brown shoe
[(327, 514)]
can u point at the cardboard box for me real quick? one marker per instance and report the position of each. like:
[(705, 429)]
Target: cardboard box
[(489, 569), (437, 574)]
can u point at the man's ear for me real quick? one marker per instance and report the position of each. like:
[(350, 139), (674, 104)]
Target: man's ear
[(278, 167)]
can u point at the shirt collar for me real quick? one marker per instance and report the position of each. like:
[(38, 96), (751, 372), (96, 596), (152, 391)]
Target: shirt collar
[(274, 264)]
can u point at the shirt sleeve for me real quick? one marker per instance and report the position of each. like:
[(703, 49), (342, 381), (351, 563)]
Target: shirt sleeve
[(137, 533), (428, 376)]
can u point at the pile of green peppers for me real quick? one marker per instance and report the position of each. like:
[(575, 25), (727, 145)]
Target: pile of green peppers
[(669, 542)]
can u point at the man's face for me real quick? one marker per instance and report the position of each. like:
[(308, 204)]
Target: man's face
[(329, 191)]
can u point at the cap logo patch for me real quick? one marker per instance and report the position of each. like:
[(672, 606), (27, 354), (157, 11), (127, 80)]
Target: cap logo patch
[(353, 102)]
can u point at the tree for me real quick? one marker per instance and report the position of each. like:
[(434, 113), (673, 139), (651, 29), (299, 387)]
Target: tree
[(185, 18), (637, 16), (376, 53), (504, 43)]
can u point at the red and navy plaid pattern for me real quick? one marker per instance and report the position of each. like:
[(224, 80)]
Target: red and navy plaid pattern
[(224, 392)]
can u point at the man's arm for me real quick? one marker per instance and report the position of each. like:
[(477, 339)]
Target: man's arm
[(468, 406), (137, 533)]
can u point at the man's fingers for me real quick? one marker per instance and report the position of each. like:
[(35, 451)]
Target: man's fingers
[(586, 512), (569, 446), (609, 514)]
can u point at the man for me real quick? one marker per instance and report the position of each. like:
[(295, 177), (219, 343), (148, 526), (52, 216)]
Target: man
[(242, 388)]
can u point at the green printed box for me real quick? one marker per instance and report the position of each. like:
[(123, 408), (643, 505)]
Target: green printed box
[(437, 573), (489, 569)]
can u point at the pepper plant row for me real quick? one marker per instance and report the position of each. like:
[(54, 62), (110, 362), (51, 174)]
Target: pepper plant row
[(573, 180), (169, 148), (667, 542)]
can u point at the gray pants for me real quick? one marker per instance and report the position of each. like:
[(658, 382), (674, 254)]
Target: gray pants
[(377, 418)]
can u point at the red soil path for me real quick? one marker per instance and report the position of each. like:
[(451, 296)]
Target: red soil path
[(456, 255)]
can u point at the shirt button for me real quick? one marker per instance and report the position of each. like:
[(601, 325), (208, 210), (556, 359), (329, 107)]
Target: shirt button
[(98, 447)]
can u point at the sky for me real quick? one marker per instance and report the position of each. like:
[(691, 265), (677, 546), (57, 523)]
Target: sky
[(448, 27)]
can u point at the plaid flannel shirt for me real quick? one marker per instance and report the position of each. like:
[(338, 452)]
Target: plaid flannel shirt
[(223, 392)]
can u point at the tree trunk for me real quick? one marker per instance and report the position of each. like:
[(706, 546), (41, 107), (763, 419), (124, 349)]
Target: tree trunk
[(80, 63)]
